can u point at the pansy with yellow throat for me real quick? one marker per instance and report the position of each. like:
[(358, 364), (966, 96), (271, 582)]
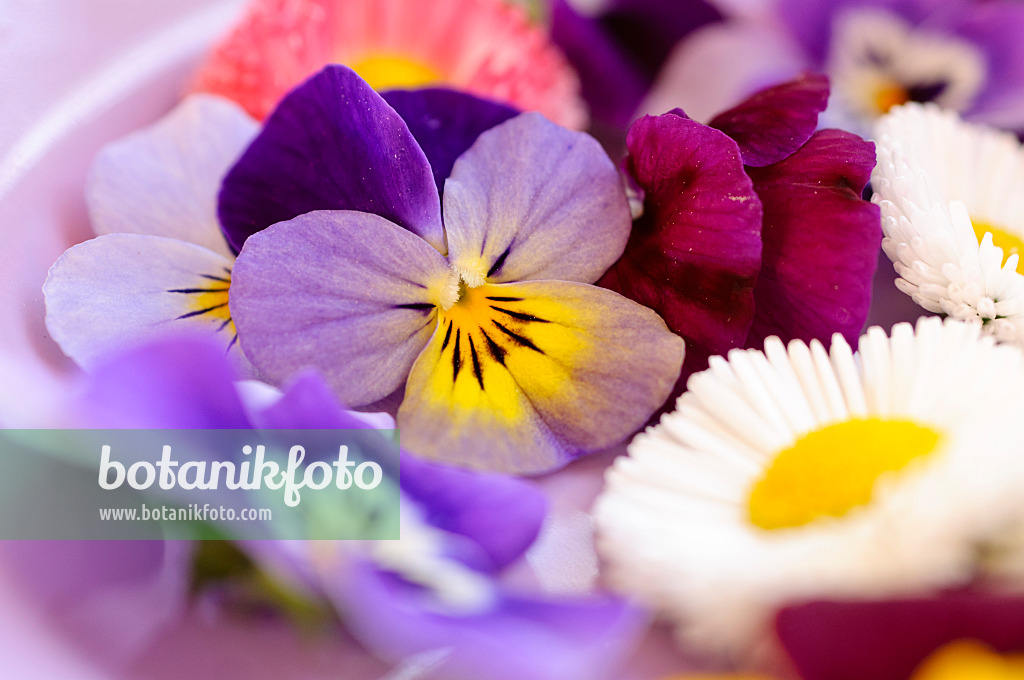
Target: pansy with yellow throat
[(799, 473), (952, 201)]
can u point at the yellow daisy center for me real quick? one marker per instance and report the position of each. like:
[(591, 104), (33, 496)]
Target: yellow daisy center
[(389, 71), (1010, 243), (830, 471), (969, 659)]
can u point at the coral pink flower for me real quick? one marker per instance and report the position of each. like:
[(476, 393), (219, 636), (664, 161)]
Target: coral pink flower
[(486, 47)]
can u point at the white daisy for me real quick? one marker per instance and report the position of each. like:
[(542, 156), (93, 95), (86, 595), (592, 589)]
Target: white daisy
[(787, 475), (952, 201)]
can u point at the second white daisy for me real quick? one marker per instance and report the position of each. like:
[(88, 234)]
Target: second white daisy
[(789, 475), (952, 201)]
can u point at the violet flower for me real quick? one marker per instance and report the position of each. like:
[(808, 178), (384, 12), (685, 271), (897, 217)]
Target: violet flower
[(753, 225), (510, 361), (436, 591), (960, 54)]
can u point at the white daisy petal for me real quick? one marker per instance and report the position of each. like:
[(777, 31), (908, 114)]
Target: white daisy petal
[(164, 179), (900, 462), (121, 288), (941, 184)]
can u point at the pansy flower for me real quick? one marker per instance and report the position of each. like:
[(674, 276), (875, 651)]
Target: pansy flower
[(961, 55), (509, 359), (486, 47), (435, 593), (160, 262), (752, 225), (953, 215), (799, 473)]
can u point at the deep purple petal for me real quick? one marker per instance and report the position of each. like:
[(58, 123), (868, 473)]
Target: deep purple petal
[(500, 514), (307, 403), (610, 82), (172, 383), (694, 255), (445, 123), (887, 640), (331, 144), (775, 122), (532, 200), (347, 293), (821, 241), (519, 638)]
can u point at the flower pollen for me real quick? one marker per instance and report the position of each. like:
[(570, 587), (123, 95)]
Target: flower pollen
[(390, 71), (1011, 244)]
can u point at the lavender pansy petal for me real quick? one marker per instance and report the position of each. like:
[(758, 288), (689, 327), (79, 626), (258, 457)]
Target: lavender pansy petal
[(517, 638), (821, 241), (112, 597), (500, 514), (331, 144), (532, 200), (524, 377), (120, 289), (169, 383), (347, 293), (446, 122), (996, 29), (886, 640), (694, 256), (163, 180), (773, 123)]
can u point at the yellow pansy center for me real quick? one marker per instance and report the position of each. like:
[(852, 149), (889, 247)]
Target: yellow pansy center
[(390, 71), (1010, 243), (969, 660), (208, 300), (830, 471), (890, 95)]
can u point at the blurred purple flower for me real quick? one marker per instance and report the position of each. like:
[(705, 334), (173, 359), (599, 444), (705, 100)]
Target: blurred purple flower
[(753, 225), (434, 592), (960, 54)]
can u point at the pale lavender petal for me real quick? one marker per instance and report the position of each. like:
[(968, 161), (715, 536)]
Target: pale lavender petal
[(532, 200), (347, 293), (120, 289), (163, 180), (331, 144)]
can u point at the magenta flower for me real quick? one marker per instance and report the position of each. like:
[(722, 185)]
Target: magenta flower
[(753, 225), (510, 360)]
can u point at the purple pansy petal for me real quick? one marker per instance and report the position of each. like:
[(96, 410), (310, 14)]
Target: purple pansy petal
[(694, 255), (500, 514), (821, 241), (775, 122), (532, 200), (119, 289), (524, 377), (747, 57), (886, 640), (170, 383), (996, 29), (347, 293), (331, 144), (446, 122), (611, 84), (163, 180), (516, 638)]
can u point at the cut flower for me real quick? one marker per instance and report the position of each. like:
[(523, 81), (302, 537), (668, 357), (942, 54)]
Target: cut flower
[(789, 475), (510, 361), (953, 215)]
